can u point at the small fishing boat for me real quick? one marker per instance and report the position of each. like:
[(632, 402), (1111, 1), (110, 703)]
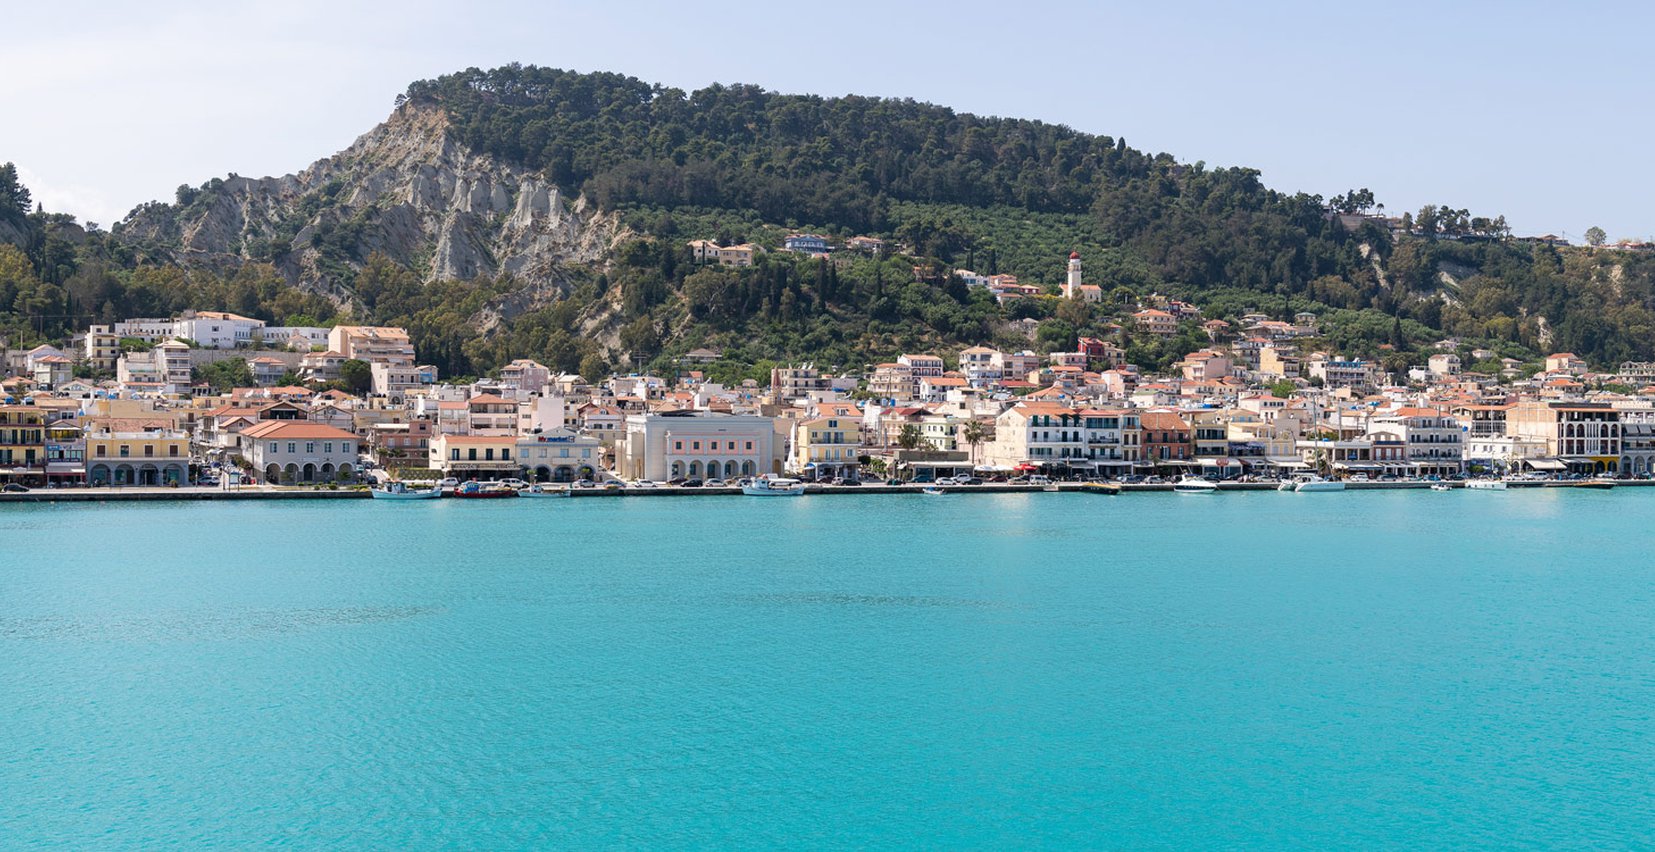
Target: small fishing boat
[(1595, 483), (1195, 485), (768, 486), (1107, 488), (1441, 486), (933, 491), (1486, 484), (483, 490), (542, 491), (401, 491)]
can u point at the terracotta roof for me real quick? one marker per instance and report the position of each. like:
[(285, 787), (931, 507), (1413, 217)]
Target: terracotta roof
[(296, 429)]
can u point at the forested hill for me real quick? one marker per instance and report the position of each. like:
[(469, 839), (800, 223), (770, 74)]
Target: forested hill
[(535, 212)]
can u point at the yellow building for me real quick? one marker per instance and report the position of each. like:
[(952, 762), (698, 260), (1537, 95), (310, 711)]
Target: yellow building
[(22, 443), (828, 446), (128, 451)]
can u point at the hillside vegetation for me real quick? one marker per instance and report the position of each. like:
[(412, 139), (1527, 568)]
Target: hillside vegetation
[(481, 275)]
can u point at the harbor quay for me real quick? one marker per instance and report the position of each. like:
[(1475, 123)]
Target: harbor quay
[(139, 495)]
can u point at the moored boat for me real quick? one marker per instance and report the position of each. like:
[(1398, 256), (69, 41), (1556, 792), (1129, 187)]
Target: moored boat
[(1486, 484), (768, 486), (1441, 486), (1195, 485), (1595, 483), (1109, 488), (1317, 483), (483, 491), (401, 491), (542, 491), (933, 491)]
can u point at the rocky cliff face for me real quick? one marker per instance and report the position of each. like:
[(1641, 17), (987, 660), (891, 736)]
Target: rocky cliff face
[(407, 189)]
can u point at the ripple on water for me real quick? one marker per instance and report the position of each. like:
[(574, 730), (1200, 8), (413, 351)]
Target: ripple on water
[(179, 626)]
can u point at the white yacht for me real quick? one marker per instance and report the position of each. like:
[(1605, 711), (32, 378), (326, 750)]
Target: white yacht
[(1317, 483), (1195, 485), (1486, 484)]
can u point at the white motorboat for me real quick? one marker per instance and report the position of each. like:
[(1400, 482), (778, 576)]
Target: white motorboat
[(1317, 483), (1195, 485), (1441, 486), (1486, 484), (933, 491), (540, 491), (401, 491), (767, 486)]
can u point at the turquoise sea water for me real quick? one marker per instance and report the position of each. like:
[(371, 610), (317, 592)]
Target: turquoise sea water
[(1263, 670)]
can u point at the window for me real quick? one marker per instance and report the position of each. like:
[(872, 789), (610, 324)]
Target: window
[(678, 446), (749, 446), (292, 447), (488, 454), (102, 451), (172, 450), (454, 455), (125, 451), (328, 448), (310, 447), (505, 454), (472, 454), (695, 445), (273, 446)]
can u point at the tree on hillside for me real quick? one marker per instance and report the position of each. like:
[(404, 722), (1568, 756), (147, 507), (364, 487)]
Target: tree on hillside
[(909, 438), (356, 375), (1595, 236), (14, 196)]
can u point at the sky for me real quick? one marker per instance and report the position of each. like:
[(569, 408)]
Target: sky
[(1536, 111)]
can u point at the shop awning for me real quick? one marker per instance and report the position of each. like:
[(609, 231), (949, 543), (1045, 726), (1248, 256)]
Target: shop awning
[(1226, 462), (1289, 464), (1357, 466), (1577, 460), (1545, 464)]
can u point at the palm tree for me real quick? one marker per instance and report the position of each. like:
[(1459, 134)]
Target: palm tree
[(909, 438), (972, 432)]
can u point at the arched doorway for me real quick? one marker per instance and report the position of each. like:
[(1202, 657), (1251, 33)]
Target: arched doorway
[(327, 470), (542, 474), (308, 472), (345, 472), (99, 474), (677, 470), (290, 474), (172, 474), (695, 470), (730, 470), (586, 472), (149, 475), (272, 474), (747, 468), (564, 473)]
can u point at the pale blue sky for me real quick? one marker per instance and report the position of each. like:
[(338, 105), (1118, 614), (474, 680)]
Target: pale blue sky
[(1538, 111)]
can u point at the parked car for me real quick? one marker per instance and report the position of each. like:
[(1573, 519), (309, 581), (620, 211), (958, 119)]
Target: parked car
[(643, 483), (14, 488), (514, 483), (715, 483), (847, 480), (448, 482), (1039, 479), (893, 481), (690, 483), (585, 483), (967, 480)]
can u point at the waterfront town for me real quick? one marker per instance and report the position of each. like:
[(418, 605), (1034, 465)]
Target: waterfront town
[(124, 405)]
